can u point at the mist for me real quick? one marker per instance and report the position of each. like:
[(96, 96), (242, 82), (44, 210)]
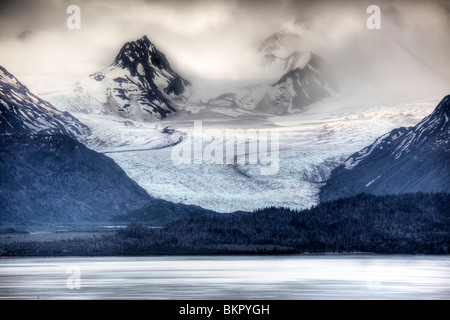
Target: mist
[(219, 40)]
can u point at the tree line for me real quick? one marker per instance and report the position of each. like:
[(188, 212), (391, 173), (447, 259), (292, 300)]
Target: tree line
[(398, 224)]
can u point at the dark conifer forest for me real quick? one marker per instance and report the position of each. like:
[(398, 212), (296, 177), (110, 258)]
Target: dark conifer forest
[(416, 223)]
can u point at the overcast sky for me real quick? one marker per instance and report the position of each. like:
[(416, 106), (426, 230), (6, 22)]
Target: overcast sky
[(219, 39)]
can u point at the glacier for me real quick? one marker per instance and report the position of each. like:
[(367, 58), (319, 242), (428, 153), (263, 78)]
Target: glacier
[(312, 143), (320, 124)]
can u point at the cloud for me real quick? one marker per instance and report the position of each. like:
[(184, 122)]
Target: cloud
[(220, 39), (24, 35)]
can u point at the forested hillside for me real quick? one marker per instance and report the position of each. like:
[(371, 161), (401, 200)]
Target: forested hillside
[(407, 223)]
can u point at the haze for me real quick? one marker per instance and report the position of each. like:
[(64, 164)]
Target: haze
[(219, 40)]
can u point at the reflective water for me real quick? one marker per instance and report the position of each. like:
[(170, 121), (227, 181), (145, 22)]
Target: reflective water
[(225, 277)]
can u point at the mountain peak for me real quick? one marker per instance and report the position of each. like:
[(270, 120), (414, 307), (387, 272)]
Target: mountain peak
[(279, 42), (23, 112), (143, 42), (145, 39), (5, 75), (404, 160), (300, 60), (443, 108), (306, 81), (140, 51), (140, 83), (437, 122)]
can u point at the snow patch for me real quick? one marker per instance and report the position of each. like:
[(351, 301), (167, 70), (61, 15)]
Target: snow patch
[(368, 184)]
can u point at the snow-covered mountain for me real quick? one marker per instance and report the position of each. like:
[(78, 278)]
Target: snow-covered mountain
[(306, 81), (48, 176), (300, 78), (404, 160), (23, 112), (312, 142), (277, 45), (140, 83)]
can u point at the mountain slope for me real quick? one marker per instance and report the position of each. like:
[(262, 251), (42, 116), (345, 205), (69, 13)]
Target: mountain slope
[(140, 83), (23, 112), (54, 178), (48, 176), (305, 79), (161, 212), (277, 45), (305, 82), (403, 160)]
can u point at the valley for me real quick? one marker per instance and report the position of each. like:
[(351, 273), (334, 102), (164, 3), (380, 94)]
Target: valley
[(312, 143)]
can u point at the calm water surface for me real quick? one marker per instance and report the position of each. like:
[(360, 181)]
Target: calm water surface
[(219, 277)]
